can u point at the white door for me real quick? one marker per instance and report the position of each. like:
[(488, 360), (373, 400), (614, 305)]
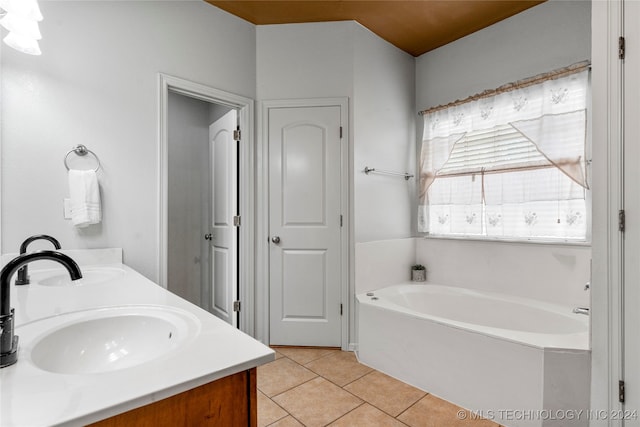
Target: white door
[(222, 237), (305, 225)]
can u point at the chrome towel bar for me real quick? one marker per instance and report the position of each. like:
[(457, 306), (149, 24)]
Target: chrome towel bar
[(369, 170)]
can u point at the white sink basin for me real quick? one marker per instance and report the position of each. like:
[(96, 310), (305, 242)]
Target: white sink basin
[(90, 276), (105, 340)]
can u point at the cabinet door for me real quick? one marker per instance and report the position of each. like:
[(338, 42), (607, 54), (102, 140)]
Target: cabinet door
[(229, 402)]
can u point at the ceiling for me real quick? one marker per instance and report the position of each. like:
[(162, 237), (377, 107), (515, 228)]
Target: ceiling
[(414, 26)]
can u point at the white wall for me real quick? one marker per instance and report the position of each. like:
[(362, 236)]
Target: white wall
[(188, 195), (96, 84), (383, 124), (546, 37), (304, 60)]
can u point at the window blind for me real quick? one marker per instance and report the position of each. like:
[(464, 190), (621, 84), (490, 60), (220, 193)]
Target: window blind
[(498, 149)]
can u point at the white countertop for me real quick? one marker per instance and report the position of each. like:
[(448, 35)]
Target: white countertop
[(31, 397)]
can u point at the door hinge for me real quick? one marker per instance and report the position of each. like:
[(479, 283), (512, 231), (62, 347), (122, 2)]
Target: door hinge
[(340, 309), (237, 135), (236, 221), (340, 220), (621, 391), (341, 132), (621, 48), (621, 220), (236, 306)]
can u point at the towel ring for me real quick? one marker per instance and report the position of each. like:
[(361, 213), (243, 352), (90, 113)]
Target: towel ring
[(81, 151)]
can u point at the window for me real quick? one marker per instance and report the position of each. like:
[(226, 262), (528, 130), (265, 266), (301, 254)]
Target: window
[(509, 165)]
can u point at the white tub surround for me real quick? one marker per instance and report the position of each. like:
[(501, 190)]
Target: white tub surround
[(508, 358), (556, 273), (215, 351), (381, 262)]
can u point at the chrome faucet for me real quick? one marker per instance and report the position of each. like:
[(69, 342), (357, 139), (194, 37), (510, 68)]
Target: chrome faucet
[(23, 275), (9, 341), (581, 310)]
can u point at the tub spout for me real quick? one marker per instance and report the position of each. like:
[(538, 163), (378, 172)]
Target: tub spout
[(581, 310)]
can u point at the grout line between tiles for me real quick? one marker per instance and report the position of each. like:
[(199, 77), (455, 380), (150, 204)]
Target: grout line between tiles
[(332, 382), (298, 385), (279, 419), (359, 378), (357, 397), (285, 411), (297, 420), (385, 412), (300, 421), (346, 413), (333, 351), (318, 358), (410, 406)]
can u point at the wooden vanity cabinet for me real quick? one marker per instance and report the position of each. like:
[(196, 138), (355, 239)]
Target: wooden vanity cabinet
[(228, 402)]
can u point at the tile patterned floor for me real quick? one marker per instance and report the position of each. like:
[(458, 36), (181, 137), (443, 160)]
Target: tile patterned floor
[(317, 387)]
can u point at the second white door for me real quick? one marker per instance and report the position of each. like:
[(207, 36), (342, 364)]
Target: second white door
[(305, 216), (223, 252)]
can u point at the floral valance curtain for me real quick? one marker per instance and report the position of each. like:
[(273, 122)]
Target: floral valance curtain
[(523, 127)]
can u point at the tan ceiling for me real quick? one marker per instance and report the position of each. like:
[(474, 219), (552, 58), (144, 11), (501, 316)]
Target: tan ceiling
[(414, 26)]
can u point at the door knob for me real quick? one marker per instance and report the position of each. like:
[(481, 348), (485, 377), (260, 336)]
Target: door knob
[(208, 236), (275, 239)]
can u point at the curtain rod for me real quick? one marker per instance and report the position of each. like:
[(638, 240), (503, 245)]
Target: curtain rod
[(562, 72)]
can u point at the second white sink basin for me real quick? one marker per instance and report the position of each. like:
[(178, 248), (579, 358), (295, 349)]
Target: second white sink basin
[(105, 340), (90, 276)]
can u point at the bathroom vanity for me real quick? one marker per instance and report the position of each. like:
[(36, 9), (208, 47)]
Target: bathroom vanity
[(115, 349)]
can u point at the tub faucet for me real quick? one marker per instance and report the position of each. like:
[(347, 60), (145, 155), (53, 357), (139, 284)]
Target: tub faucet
[(9, 341), (23, 273), (581, 310)]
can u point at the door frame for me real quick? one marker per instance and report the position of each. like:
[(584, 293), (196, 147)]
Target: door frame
[(607, 288), (262, 224), (245, 107)]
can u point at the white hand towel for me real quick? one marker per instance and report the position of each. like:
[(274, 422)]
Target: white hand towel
[(85, 198)]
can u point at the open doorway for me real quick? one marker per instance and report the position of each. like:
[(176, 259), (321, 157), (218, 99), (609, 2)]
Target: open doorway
[(205, 198), (202, 197)]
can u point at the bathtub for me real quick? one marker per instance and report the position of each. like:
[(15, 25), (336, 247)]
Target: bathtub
[(517, 361)]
